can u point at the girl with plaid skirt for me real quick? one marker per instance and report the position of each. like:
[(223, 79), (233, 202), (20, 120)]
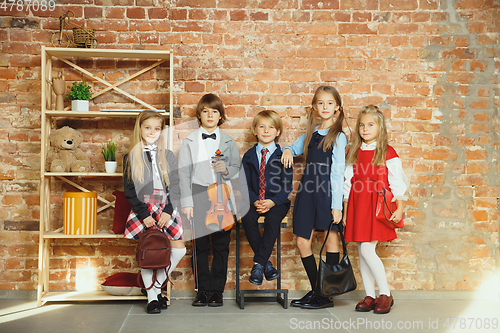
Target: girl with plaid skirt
[(151, 185)]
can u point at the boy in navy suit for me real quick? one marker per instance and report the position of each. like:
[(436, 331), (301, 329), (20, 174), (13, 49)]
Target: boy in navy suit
[(269, 184)]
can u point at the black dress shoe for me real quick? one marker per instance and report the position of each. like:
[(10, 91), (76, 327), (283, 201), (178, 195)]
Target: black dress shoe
[(153, 307), (256, 274), (201, 299), (270, 272), (298, 302), (215, 299), (163, 302), (318, 302)]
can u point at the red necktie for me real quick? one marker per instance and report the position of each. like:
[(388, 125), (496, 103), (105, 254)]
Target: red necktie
[(262, 179)]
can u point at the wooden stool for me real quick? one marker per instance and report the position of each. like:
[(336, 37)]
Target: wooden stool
[(281, 294)]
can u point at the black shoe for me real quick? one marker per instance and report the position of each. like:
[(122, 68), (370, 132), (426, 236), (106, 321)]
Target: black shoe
[(215, 299), (153, 307), (318, 302), (298, 302), (270, 272), (256, 274), (163, 302), (201, 299)]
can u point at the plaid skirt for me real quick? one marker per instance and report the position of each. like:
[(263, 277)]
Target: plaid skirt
[(156, 202)]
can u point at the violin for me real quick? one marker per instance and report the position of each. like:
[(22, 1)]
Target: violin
[(219, 216)]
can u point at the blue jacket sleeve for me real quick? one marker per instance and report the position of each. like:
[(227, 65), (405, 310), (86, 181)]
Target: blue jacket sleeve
[(252, 195), (337, 171)]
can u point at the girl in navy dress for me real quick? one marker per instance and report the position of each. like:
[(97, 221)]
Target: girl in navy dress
[(319, 197), (370, 155), (151, 185)]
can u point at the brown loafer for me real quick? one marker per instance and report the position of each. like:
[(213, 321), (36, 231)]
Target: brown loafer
[(383, 304), (366, 305)]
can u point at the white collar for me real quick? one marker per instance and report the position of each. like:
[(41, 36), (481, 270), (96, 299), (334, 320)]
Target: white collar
[(216, 131), (371, 146)]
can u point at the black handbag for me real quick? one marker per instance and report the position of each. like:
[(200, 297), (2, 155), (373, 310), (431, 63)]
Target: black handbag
[(336, 279)]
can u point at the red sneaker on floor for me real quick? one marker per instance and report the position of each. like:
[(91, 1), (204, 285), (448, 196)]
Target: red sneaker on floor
[(383, 304), (366, 305)]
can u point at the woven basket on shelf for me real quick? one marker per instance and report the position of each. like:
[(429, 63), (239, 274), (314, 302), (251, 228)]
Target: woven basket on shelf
[(81, 35)]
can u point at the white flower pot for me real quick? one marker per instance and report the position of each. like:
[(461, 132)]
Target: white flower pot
[(79, 105), (110, 166)]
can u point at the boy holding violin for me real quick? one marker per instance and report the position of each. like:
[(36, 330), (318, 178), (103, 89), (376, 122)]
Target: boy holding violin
[(204, 200), (269, 184)]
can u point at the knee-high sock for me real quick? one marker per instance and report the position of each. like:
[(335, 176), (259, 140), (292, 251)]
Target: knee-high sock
[(375, 266), (311, 269), (366, 275), (332, 258), (176, 255), (147, 278)]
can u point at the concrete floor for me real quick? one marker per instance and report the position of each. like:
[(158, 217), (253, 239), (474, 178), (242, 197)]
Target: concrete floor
[(412, 312)]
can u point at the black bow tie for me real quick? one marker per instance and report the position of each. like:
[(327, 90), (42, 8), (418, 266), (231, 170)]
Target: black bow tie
[(206, 136)]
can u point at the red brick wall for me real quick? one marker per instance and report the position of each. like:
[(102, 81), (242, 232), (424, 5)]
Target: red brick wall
[(431, 65)]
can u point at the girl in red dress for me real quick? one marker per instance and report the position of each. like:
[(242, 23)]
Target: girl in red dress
[(370, 155)]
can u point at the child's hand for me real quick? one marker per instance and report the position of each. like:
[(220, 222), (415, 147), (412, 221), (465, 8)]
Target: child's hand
[(164, 218), (337, 216), (149, 221), (220, 166), (287, 158), (397, 215), (265, 206), (188, 211)]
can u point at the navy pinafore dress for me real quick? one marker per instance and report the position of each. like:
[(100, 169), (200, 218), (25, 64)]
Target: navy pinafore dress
[(312, 207)]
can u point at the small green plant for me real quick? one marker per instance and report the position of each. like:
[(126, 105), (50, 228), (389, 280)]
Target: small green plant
[(109, 150), (80, 91)]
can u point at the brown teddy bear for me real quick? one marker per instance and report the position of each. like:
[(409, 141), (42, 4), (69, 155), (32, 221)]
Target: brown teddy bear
[(64, 154)]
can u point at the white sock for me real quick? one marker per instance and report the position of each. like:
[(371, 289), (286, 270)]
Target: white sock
[(147, 278), (176, 255), (366, 275), (375, 265)]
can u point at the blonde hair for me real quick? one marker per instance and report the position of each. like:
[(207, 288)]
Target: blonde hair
[(331, 138), (273, 117), (382, 141), (136, 154)]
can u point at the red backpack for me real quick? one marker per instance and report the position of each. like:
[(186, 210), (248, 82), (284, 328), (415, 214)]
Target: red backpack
[(153, 252)]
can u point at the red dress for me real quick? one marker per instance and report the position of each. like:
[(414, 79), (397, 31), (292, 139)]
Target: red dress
[(361, 225)]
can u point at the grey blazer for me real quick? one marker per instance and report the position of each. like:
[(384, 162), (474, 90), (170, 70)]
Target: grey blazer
[(187, 167)]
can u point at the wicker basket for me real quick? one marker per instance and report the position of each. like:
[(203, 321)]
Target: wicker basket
[(81, 35)]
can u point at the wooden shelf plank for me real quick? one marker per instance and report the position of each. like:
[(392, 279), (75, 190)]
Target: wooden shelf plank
[(96, 295), (104, 53), (54, 234), (82, 174), (94, 114)]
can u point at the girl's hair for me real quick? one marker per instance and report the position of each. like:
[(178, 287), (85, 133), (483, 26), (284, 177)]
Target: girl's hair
[(381, 149), (331, 138), (136, 171), (273, 117), (211, 101)]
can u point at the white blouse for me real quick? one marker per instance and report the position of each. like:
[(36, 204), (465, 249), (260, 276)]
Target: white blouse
[(398, 182)]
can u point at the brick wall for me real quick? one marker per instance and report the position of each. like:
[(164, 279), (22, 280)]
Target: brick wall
[(431, 65)]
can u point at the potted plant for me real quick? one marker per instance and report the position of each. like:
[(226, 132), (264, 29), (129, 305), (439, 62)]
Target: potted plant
[(109, 152), (80, 93)]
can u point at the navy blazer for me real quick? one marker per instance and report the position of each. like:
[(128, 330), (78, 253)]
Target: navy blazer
[(278, 178)]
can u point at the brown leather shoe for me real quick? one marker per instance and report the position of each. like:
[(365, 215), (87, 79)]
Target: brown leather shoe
[(366, 305), (383, 304)]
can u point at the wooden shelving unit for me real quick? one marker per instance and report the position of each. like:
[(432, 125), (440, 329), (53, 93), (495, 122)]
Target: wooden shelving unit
[(47, 232)]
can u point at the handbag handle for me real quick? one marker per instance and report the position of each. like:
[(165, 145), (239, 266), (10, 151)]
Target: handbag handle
[(341, 233)]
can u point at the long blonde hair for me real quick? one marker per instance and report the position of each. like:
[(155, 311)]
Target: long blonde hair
[(136, 154), (331, 138), (382, 141)]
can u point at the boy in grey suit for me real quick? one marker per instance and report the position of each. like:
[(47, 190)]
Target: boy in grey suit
[(196, 173)]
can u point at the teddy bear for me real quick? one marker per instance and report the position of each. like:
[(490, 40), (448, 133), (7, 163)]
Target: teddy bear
[(64, 154)]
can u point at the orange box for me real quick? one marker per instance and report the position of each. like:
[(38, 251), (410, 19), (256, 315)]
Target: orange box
[(80, 213)]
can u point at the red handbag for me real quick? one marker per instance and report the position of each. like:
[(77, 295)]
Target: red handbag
[(385, 206)]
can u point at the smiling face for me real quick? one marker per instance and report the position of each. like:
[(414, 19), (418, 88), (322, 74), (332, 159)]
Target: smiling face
[(265, 131), (151, 130), (326, 105), (368, 128), (209, 119)]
